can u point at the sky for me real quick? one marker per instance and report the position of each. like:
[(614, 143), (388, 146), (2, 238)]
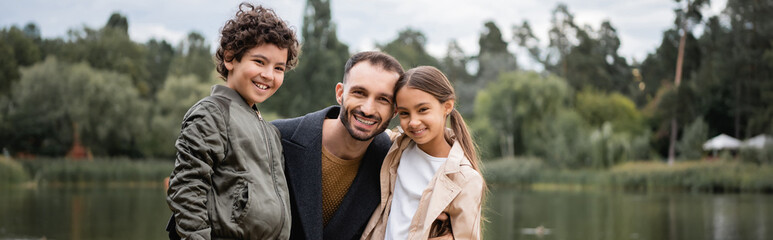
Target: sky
[(361, 24)]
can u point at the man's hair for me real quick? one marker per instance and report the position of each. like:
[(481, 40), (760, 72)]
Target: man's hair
[(379, 59), (254, 26)]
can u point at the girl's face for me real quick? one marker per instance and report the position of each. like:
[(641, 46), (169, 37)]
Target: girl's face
[(423, 118)]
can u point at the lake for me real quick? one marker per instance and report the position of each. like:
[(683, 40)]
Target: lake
[(141, 213)]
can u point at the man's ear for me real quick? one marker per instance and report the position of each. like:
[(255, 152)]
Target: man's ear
[(339, 93), (448, 106), (229, 64)]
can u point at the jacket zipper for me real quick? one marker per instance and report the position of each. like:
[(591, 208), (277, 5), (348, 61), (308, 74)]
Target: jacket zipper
[(273, 163)]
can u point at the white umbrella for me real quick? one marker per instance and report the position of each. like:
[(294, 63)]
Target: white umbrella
[(721, 142), (758, 141)]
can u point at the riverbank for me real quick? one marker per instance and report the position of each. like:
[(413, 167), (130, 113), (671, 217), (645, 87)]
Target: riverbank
[(694, 176), (97, 172)]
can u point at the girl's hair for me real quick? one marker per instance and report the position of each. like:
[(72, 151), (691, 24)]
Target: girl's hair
[(431, 80)]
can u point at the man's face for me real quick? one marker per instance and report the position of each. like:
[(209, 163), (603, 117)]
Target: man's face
[(366, 100)]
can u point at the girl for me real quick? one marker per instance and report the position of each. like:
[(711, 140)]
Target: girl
[(431, 175)]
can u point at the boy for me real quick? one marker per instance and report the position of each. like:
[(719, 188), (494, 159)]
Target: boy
[(228, 180)]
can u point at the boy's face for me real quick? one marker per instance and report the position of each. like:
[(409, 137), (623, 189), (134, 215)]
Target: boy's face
[(259, 73)]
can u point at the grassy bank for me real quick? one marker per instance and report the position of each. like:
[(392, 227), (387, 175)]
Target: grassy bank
[(105, 171), (697, 176)]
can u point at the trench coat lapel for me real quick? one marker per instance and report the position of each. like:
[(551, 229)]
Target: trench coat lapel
[(442, 190)]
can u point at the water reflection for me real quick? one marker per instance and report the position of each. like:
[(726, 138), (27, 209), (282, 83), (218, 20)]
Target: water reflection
[(93, 213), (605, 215), (141, 213)]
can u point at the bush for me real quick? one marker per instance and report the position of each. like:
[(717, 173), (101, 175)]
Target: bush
[(690, 146), (756, 155), (11, 172), (98, 171), (514, 171)]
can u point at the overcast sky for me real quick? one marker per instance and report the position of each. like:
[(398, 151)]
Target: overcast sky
[(361, 23)]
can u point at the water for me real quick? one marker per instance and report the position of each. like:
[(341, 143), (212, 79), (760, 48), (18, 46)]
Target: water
[(515, 214), (141, 213)]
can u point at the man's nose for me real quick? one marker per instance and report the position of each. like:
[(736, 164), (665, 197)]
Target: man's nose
[(368, 107)]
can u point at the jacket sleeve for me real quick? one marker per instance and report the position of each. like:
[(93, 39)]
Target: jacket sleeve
[(201, 144), (465, 211)]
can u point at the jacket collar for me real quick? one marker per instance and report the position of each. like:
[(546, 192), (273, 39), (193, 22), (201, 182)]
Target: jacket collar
[(225, 91)]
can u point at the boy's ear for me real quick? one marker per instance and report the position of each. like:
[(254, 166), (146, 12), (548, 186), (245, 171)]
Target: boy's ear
[(229, 64), (448, 106), (339, 93)]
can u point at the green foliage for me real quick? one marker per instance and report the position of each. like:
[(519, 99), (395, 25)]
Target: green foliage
[(311, 86), (17, 49), (640, 147), (493, 56), (608, 148), (598, 108), (99, 171), (517, 171), (11, 172), (192, 57), (408, 48), (758, 156), (517, 110), (696, 176), (690, 146), (53, 100), (173, 100)]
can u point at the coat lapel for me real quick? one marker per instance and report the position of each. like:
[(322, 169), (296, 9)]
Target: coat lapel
[(304, 170), (443, 190)]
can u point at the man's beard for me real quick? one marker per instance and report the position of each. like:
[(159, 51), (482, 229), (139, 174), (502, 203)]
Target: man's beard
[(344, 116)]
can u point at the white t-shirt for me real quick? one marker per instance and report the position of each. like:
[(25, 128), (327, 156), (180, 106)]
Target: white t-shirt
[(415, 171)]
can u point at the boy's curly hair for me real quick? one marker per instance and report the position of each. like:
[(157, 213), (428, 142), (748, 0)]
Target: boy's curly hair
[(254, 26)]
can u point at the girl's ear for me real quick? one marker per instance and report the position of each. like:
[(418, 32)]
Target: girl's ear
[(229, 64), (448, 106)]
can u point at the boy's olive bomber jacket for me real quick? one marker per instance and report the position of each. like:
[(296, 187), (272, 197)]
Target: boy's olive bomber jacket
[(228, 180)]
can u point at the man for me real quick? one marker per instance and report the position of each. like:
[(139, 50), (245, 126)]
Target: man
[(333, 156)]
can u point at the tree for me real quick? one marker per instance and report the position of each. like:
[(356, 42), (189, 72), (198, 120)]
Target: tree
[(516, 102), (408, 48), (53, 99), (159, 58), (108, 48), (689, 14), (597, 108), (493, 56), (17, 49), (173, 100), (310, 86), (192, 57), (454, 65)]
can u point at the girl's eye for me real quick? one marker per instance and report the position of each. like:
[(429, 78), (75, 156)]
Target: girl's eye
[(423, 109), (402, 114)]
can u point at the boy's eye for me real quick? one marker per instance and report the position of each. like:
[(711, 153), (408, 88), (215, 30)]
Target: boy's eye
[(281, 69)]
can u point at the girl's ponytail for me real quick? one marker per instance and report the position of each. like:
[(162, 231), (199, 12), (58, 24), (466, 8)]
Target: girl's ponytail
[(465, 138)]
